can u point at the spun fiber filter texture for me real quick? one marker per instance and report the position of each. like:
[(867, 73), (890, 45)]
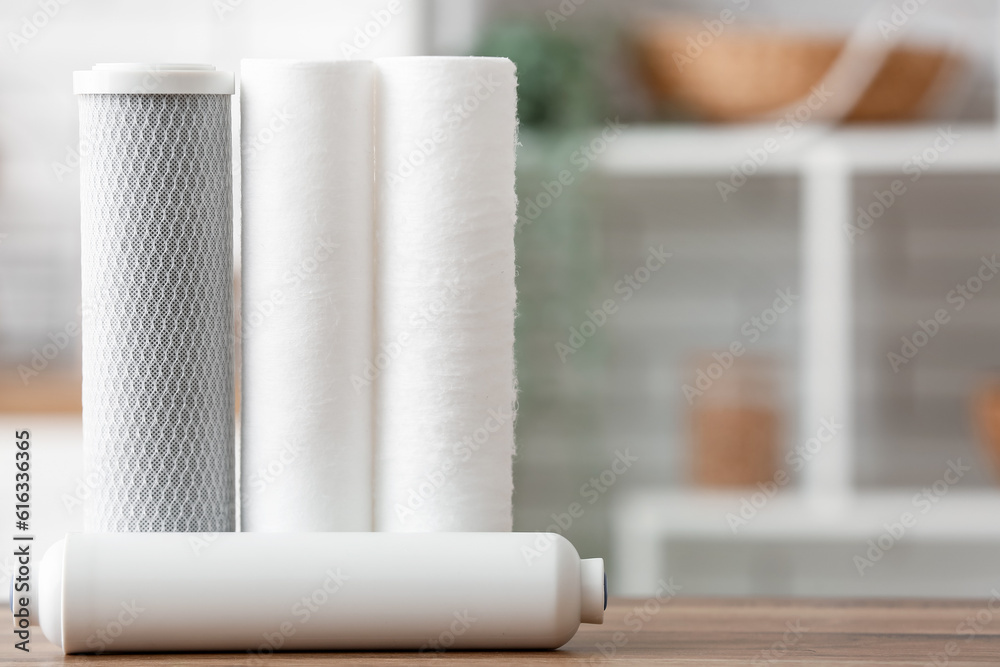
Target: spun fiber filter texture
[(158, 382), (445, 214), (307, 308)]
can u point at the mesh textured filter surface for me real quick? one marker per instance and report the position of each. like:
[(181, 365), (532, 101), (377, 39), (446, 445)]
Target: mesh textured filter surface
[(158, 402)]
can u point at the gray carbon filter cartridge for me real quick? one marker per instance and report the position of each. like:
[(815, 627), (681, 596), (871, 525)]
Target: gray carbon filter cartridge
[(158, 336)]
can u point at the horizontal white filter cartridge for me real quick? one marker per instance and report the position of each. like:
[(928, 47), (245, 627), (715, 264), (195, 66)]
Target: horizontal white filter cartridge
[(262, 592)]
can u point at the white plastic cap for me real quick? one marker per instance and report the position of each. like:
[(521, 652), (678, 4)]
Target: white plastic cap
[(153, 79), (593, 590), (49, 591)]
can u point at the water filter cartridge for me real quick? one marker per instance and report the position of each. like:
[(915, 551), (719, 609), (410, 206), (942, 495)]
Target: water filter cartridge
[(157, 277), (262, 592)]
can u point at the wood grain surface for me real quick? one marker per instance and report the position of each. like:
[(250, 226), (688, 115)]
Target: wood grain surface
[(684, 632)]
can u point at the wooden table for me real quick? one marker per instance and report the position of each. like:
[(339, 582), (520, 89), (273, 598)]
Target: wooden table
[(690, 631)]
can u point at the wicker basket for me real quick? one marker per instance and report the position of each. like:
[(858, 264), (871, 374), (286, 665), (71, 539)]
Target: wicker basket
[(986, 416), (747, 73), (735, 424)]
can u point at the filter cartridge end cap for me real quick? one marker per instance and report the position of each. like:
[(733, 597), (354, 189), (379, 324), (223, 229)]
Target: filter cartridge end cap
[(153, 79), (593, 590), (49, 591)]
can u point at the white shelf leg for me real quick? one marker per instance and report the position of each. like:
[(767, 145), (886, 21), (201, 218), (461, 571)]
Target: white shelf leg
[(827, 359), (639, 550), (996, 68)]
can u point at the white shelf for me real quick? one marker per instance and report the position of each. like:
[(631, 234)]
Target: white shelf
[(827, 513), (713, 150), (702, 514), (648, 523)]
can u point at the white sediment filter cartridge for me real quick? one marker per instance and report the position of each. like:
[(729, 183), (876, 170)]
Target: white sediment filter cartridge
[(307, 280), (156, 245), (263, 592), (445, 213)]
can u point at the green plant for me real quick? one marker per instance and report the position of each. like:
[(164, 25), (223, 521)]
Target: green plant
[(557, 87)]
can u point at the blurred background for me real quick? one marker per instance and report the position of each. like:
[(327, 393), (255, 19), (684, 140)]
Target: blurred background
[(756, 241)]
